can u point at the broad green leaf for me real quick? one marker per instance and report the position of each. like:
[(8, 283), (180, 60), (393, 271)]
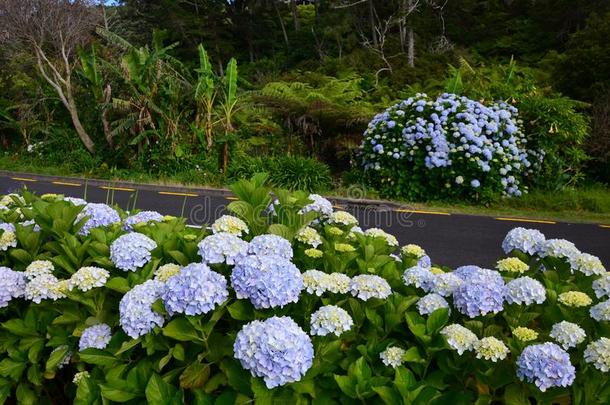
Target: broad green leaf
[(98, 357), (181, 329), (195, 375), (436, 320), (158, 392), (11, 368)]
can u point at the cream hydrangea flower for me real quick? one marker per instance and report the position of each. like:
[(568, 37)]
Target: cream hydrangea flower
[(230, 224), (413, 250), (163, 273), (525, 334), (490, 348), (380, 233), (309, 236), (512, 265), (314, 253), (574, 299), (342, 218)]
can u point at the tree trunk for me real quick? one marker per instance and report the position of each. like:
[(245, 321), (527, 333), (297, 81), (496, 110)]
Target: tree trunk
[(411, 47), (105, 122), (279, 17), (78, 126), (225, 157), (295, 15), (372, 22), (208, 127)]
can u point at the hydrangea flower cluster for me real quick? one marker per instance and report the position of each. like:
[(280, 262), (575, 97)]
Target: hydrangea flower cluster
[(12, 285), (87, 278), (365, 287), (430, 303), (96, 336), (575, 299), (342, 218), (392, 356), (267, 281), (481, 293), (98, 215), (194, 290), (524, 240), (419, 277), (38, 268), (559, 248), (601, 286), (512, 265), (467, 145), (222, 247), (131, 251), (309, 236), (44, 287), (75, 201), (601, 312), (491, 349), (330, 319), (276, 349), (230, 224), (270, 245), (318, 204), (380, 233), (80, 377), (525, 291), (546, 365), (587, 264), (525, 334), (8, 238), (313, 253), (598, 354), (445, 283), (413, 250), (459, 338), (136, 316), (163, 273), (567, 334), (317, 282), (142, 217)]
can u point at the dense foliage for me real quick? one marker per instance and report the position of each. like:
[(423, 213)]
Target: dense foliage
[(290, 303)]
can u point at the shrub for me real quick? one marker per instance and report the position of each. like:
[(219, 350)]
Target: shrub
[(375, 323), (451, 147), (291, 172)]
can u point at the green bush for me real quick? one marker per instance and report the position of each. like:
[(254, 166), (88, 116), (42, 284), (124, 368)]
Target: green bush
[(290, 172)]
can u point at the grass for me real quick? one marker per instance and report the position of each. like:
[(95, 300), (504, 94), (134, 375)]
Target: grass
[(590, 204)]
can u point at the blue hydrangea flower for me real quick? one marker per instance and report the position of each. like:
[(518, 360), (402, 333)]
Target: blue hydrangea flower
[(96, 336), (131, 251), (600, 312), (141, 217), (330, 319), (424, 262), (99, 215), (272, 245), (222, 247), (445, 284), (482, 293), (267, 281), (466, 272), (525, 240), (419, 277), (526, 291), (601, 286), (194, 290), (587, 264), (366, 286), (12, 285), (430, 303), (546, 365), (598, 354), (276, 349), (136, 316), (559, 248), (475, 183), (567, 334), (75, 201), (318, 204)]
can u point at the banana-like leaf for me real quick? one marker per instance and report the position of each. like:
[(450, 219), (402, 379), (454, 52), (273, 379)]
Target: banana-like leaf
[(231, 81)]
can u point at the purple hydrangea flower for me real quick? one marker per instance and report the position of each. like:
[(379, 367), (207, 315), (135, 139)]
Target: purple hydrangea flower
[(546, 365), (270, 245), (276, 349), (194, 290), (131, 251), (267, 281), (135, 313), (481, 293), (141, 217), (99, 215), (96, 336), (419, 277), (222, 247), (12, 285)]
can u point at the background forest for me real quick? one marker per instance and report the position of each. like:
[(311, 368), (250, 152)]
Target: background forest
[(206, 91)]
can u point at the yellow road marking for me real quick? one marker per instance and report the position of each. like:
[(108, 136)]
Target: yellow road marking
[(178, 194), (232, 198), (422, 212), (604, 226), (63, 183), (536, 221), (117, 188), (22, 179)]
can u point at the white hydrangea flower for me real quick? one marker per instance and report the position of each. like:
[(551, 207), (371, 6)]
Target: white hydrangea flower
[(38, 268), (230, 224), (44, 287), (587, 264), (309, 236), (380, 233), (330, 319), (315, 282), (490, 348), (163, 273), (392, 356), (413, 250), (338, 283), (8, 239), (342, 218), (460, 339), (598, 354), (601, 286), (567, 334), (87, 278)]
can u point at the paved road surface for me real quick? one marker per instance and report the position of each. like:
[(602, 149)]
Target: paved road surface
[(450, 239)]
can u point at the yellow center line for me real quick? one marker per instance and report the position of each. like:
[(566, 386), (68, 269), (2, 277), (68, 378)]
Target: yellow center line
[(604, 226), (23, 179), (232, 198), (178, 194), (536, 221), (422, 212), (117, 188), (63, 183)]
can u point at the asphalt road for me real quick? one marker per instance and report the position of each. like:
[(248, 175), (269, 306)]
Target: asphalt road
[(450, 239)]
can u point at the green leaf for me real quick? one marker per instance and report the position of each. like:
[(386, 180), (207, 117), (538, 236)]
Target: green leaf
[(231, 80), (436, 320), (117, 394), (25, 396), (238, 378), (195, 375), (118, 284), (131, 343), (182, 330), (361, 370), (412, 356), (262, 394), (87, 392), (388, 395), (241, 310), (56, 357), (347, 385), (21, 255), (179, 257), (11, 368), (515, 395), (98, 357), (158, 392), (19, 328)]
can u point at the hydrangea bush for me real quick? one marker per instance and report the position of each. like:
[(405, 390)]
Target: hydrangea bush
[(243, 312), (449, 147)]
